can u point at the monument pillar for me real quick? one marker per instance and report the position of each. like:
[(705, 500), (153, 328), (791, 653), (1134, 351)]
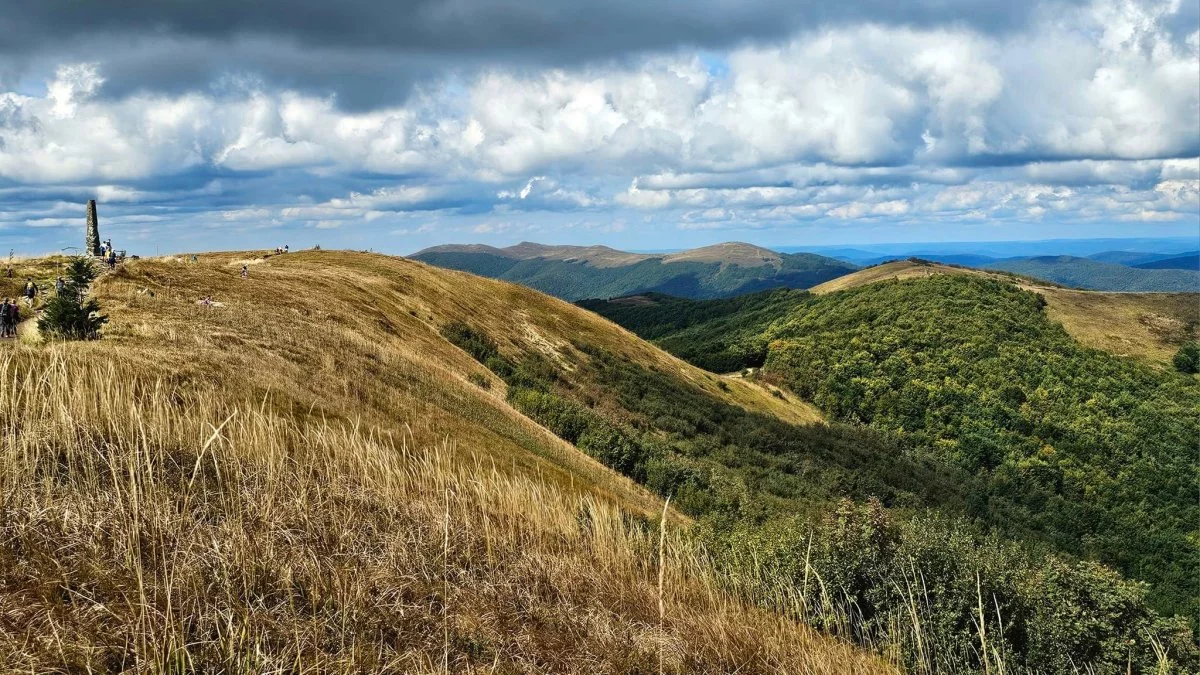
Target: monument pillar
[(93, 229)]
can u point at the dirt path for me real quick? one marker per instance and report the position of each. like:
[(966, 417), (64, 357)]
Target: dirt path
[(27, 329)]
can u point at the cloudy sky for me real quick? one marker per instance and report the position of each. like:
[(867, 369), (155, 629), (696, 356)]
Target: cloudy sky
[(647, 125)]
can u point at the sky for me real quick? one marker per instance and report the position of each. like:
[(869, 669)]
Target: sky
[(398, 125)]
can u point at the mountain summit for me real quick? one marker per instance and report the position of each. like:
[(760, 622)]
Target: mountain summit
[(730, 253)]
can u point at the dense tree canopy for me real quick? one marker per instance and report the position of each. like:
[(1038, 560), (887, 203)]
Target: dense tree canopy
[(1096, 451)]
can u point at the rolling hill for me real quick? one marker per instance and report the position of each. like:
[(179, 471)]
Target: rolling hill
[(1190, 261), (993, 375), (1138, 258), (308, 471), (358, 462), (578, 272), (1147, 326)]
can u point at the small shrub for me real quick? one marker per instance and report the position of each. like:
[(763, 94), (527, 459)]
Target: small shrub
[(1187, 359), (480, 380), (479, 346)]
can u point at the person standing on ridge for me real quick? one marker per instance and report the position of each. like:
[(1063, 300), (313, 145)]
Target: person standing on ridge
[(31, 290)]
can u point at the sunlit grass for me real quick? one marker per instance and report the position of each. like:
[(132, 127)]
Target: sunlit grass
[(307, 480)]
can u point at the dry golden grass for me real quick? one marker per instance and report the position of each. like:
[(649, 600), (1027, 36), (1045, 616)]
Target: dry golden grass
[(1146, 326), (42, 270), (304, 480), (769, 398), (898, 270), (729, 253)]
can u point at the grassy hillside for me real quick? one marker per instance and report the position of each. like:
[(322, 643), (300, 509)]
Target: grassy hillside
[(575, 273), (1147, 326), (896, 270), (1102, 276), (365, 463), (310, 473)]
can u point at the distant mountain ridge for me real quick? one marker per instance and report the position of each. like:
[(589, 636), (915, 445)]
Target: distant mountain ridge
[(1140, 249), (1101, 276), (734, 252), (1188, 261), (582, 272), (1117, 271)]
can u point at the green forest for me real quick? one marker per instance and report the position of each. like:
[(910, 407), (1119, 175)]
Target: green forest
[(721, 336), (877, 508), (1069, 449), (1097, 451)]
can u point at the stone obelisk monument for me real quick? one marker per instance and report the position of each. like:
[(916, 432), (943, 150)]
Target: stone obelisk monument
[(93, 229)]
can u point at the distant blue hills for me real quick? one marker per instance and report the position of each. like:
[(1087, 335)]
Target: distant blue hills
[(1147, 265), (732, 268), (1103, 276), (1121, 251), (1188, 261)]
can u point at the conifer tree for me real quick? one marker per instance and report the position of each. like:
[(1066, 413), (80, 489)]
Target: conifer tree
[(70, 314)]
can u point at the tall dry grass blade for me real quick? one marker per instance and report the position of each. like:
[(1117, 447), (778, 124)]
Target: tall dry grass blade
[(662, 569)]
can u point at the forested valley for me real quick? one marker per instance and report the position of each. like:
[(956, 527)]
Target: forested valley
[(973, 453)]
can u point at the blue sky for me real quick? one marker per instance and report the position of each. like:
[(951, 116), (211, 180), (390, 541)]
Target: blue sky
[(395, 126)]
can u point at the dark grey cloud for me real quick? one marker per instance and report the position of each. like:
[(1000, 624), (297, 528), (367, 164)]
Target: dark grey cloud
[(370, 52)]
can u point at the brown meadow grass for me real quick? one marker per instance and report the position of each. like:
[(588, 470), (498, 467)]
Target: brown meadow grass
[(307, 480)]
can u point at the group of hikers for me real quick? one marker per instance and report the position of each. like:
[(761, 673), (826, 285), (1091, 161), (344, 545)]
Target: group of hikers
[(108, 254), (10, 312), (10, 316)]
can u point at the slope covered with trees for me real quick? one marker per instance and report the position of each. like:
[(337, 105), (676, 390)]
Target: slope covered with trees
[(721, 336), (1097, 452), (1088, 453), (1188, 261)]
